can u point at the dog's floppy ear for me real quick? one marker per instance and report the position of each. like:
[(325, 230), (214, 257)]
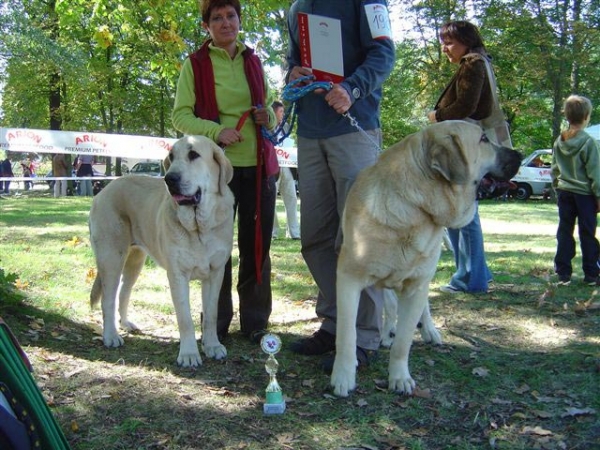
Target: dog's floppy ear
[(449, 159), (225, 168)]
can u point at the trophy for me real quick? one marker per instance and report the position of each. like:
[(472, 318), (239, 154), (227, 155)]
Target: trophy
[(274, 404)]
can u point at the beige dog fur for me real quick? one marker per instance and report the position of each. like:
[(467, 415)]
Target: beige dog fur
[(184, 222), (393, 225)]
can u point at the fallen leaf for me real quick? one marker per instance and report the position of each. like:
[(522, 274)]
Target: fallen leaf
[(308, 383), (73, 372), (522, 389), (539, 431), (362, 402), (22, 285), (481, 371), (542, 298), (422, 393), (90, 275), (286, 438), (571, 412), (542, 414), (74, 242)]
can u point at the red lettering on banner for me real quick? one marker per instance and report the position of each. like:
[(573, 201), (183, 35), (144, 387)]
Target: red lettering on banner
[(86, 138), (23, 134), (282, 153), (161, 143)]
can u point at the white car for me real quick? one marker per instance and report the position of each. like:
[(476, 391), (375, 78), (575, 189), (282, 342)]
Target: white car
[(533, 177), (151, 169)]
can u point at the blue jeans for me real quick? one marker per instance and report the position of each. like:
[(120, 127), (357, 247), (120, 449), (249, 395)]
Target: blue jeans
[(472, 273), (582, 208)]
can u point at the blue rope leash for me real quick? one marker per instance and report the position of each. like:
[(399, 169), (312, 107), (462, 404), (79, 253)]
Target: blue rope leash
[(292, 93)]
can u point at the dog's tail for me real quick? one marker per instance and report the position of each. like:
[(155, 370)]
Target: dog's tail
[(96, 292)]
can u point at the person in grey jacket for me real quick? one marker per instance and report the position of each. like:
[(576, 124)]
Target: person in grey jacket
[(332, 151), (576, 179)]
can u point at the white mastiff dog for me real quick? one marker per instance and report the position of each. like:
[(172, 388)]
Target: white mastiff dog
[(184, 222), (393, 226)]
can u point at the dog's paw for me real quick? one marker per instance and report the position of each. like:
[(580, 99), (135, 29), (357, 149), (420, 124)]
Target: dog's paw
[(129, 326), (402, 385), (112, 339), (215, 351), (189, 359), (343, 379), (429, 333)]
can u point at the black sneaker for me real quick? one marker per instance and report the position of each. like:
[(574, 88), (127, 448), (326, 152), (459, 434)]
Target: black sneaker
[(564, 280), (591, 281), (319, 343), (256, 336), (363, 356)]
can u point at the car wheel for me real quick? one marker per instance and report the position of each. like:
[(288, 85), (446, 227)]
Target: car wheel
[(523, 191)]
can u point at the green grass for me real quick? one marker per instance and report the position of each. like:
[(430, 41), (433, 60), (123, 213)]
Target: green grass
[(518, 369)]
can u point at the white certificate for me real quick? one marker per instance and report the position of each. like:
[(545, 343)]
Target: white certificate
[(321, 46)]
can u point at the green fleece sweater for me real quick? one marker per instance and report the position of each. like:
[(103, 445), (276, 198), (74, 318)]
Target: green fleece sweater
[(576, 164), (233, 99)]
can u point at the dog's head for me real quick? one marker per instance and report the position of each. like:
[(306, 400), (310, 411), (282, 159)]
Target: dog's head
[(460, 153), (196, 166)]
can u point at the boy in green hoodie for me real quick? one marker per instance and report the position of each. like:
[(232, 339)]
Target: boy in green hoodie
[(576, 179)]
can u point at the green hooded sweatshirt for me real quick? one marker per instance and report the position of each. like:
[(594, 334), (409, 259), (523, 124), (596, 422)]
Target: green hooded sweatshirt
[(576, 164)]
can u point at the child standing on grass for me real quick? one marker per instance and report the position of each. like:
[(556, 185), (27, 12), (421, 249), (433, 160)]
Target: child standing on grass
[(576, 179)]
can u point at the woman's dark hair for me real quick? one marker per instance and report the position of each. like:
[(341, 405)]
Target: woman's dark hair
[(206, 7), (464, 32)]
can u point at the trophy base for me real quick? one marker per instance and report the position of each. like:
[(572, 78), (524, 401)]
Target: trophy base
[(270, 409)]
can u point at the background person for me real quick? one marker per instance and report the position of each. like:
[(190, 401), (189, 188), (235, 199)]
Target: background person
[(6, 172), (576, 178), (60, 169), (85, 169), (286, 186), (218, 84), (467, 96), (27, 174), (331, 153)]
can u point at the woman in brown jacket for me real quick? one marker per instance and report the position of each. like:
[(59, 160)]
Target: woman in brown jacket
[(467, 96)]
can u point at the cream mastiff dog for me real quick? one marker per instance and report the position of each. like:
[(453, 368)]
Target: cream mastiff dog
[(393, 225), (184, 222)]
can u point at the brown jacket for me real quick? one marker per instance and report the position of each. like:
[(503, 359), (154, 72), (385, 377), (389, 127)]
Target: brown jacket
[(59, 165), (468, 95)]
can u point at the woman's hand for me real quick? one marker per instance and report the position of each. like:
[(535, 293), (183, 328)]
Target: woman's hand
[(229, 136)]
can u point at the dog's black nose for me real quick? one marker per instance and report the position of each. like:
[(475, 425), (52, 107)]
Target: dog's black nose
[(172, 180)]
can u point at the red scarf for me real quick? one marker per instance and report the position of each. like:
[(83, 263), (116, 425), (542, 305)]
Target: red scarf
[(206, 108)]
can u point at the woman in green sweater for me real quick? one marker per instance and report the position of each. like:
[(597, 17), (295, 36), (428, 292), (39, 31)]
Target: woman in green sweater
[(221, 85)]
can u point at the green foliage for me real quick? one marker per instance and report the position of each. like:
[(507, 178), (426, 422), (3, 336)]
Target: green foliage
[(118, 61), (542, 52), (8, 289)]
